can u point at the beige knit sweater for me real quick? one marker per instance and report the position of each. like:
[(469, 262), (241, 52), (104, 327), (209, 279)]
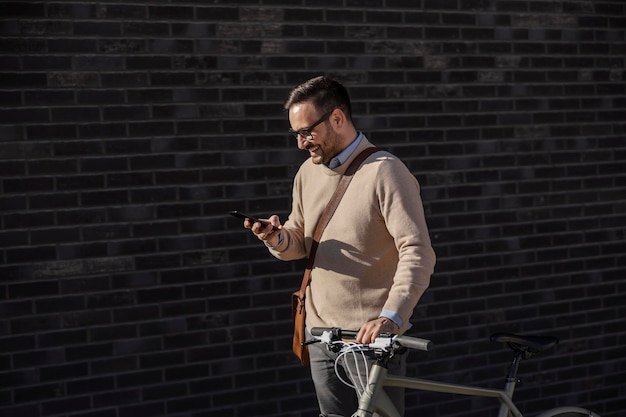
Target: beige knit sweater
[(374, 255)]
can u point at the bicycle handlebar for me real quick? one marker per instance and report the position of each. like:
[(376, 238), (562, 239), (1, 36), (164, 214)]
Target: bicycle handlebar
[(405, 341), (415, 343)]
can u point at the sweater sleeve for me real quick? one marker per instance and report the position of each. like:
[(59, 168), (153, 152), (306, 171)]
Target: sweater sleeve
[(401, 207), (292, 244)]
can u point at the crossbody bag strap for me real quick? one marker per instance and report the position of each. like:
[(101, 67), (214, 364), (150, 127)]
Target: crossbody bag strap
[(330, 210)]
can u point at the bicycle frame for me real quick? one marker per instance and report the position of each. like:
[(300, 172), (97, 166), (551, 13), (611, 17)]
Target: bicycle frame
[(374, 399)]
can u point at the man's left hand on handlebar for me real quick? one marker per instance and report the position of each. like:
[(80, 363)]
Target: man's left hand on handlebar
[(372, 329)]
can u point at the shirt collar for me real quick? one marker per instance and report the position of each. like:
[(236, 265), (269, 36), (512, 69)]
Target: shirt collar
[(343, 156)]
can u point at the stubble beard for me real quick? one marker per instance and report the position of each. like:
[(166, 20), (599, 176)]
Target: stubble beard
[(329, 151)]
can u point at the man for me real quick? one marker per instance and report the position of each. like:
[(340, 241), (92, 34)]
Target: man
[(374, 259)]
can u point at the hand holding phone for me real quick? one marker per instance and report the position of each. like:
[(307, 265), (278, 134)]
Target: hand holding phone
[(253, 219)]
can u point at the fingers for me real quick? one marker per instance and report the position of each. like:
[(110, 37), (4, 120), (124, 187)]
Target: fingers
[(269, 232), (262, 231), (364, 335), (370, 330)]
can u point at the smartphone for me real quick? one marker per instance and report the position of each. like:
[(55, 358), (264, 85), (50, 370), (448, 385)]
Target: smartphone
[(253, 219)]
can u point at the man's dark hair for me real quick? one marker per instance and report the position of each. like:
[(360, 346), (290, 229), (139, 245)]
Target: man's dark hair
[(325, 93)]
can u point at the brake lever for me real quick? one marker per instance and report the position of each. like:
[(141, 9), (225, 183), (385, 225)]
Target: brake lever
[(310, 342)]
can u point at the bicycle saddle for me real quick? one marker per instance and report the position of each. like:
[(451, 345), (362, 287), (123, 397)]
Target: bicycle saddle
[(526, 344)]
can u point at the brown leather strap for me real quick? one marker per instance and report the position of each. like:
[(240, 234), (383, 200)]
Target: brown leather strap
[(330, 210)]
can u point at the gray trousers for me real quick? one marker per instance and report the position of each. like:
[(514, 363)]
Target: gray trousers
[(338, 400)]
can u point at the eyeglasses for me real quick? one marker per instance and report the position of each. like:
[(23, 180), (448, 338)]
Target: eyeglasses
[(305, 133)]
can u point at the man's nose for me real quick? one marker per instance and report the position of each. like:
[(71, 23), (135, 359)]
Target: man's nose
[(302, 142)]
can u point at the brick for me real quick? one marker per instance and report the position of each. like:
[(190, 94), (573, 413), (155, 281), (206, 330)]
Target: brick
[(20, 151), (73, 79), (151, 409), (104, 197), (155, 229), (99, 130), (159, 294), (43, 97), (65, 405), (138, 313), (10, 133), (140, 95), (172, 46), (122, 46), (24, 115), (37, 323), (131, 247), (98, 63), (10, 63), (19, 9), (72, 251), (116, 332), (190, 403), (127, 146), (116, 398), (81, 181), (46, 132), (32, 254), (100, 97), (128, 79), (9, 45), (172, 79), (60, 63), (164, 391), (62, 338), (138, 379), (32, 80), (38, 358), (125, 113), (60, 372), (91, 28)]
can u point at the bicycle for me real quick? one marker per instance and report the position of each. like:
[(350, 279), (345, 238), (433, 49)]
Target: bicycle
[(372, 398)]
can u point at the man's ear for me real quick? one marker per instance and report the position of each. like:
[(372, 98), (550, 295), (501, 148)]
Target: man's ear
[(338, 119)]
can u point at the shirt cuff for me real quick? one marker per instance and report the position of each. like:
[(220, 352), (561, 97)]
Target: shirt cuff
[(393, 316), (280, 240)]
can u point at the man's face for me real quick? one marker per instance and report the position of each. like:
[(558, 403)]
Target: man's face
[(325, 142)]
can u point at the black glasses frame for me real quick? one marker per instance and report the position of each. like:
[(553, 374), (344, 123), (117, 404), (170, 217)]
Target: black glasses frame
[(305, 133)]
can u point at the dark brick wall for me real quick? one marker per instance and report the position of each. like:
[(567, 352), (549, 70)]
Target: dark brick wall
[(129, 129)]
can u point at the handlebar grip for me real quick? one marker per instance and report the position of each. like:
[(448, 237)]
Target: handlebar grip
[(415, 343), (317, 331)]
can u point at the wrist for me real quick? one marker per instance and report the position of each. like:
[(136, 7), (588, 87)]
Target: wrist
[(388, 323), (273, 240)]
